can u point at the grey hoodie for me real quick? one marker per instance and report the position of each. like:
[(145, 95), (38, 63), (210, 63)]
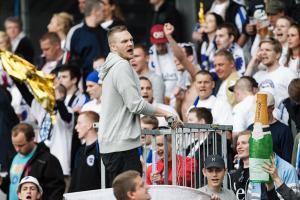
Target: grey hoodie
[(122, 103)]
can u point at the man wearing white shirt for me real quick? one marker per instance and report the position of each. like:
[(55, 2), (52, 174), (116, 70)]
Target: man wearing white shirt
[(243, 112), (276, 78), (204, 85), (94, 89)]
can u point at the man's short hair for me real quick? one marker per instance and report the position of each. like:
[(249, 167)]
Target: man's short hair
[(231, 30), (90, 5), (274, 42), (114, 30), (227, 54), (124, 183), (73, 70), (294, 90), (245, 83), (143, 47), (24, 128), (205, 72), (150, 120), (202, 113), (144, 78), (52, 37), (91, 115), (15, 20)]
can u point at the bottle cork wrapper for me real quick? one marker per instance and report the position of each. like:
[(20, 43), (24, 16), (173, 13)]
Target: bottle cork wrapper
[(261, 113)]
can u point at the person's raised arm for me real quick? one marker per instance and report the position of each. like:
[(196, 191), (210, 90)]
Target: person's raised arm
[(26, 94), (177, 50), (282, 188), (253, 64)]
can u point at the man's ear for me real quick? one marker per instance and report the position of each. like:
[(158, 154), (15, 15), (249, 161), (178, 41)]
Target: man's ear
[(130, 195), (39, 196), (204, 171), (231, 38), (112, 47), (19, 195)]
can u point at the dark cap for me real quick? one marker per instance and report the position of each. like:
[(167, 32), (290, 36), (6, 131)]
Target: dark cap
[(214, 161), (157, 35), (275, 6), (252, 81)]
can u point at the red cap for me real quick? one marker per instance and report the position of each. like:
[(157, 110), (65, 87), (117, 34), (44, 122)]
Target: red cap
[(157, 35)]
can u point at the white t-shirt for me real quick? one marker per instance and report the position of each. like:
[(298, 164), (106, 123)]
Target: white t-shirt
[(283, 56), (243, 114), (61, 139), (161, 120), (49, 66), (220, 110), (168, 72), (294, 66), (92, 106), (275, 82)]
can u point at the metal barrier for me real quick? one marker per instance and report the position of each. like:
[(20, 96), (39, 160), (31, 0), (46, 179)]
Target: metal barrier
[(191, 144)]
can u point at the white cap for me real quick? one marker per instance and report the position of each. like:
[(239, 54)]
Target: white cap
[(30, 179)]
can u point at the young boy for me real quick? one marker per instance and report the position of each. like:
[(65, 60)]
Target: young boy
[(214, 170), (29, 188)]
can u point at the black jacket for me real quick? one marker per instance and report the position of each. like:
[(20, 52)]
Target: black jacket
[(25, 49), (86, 174), (8, 119), (239, 180), (46, 168)]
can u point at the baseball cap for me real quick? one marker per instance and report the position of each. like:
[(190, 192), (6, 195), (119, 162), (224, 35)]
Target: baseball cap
[(275, 6), (252, 81), (157, 35), (94, 77), (214, 161), (30, 179)]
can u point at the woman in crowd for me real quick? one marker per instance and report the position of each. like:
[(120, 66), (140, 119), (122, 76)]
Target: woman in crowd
[(281, 34), (61, 23), (293, 55), (112, 14), (206, 35)]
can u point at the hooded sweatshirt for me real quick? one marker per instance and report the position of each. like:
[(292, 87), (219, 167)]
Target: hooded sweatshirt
[(121, 105)]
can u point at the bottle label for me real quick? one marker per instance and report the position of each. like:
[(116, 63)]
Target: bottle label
[(257, 173)]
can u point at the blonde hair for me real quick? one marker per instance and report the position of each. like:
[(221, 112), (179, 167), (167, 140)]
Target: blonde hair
[(65, 20), (5, 38)]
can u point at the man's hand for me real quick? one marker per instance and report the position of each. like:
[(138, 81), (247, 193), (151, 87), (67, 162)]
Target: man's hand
[(173, 121), (215, 197), (168, 29), (155, 177), (250, 29), (271, 169)]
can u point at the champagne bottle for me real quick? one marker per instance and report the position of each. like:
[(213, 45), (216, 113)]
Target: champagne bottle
[(261, 146)]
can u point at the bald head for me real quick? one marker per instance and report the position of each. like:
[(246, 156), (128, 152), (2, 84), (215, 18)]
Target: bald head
[(244, 85)]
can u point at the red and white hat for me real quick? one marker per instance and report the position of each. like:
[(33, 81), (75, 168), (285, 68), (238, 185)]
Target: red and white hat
[(157, 35)]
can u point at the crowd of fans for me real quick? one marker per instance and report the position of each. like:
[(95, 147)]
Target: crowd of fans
[(241, 49)]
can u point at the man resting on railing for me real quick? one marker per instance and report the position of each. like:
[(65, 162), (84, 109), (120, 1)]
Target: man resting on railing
[(184, 178)]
